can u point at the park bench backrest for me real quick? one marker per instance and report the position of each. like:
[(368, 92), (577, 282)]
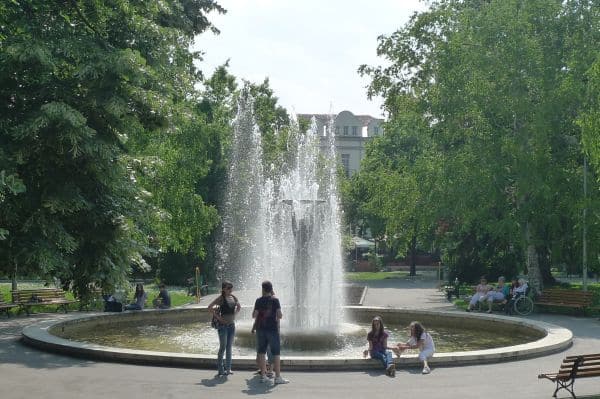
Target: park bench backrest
[(558, 295), (38, 295)]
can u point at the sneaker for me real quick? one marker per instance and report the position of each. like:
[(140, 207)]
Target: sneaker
[(270, 374), (281, 380), (264, 378), (229, 372), (426, 370), (391, 370)]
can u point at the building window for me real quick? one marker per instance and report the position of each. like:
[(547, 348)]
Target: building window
[(337, 130), (355, 130), (376, 130), (345, 130), (346, 164)]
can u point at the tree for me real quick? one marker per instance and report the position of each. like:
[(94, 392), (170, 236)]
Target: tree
[(88, 84), (490, 78)]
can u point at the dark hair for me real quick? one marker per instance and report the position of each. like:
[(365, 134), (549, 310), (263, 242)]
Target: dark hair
[(373, 334), (267, 286), (161, 286), (225, 284), (139, 290), (418, 328)]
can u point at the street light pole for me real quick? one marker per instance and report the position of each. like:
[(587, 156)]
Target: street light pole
[(584, 223)]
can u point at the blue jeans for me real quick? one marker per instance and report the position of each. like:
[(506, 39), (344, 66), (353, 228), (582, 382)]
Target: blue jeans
[(385, 357), (226, 334)]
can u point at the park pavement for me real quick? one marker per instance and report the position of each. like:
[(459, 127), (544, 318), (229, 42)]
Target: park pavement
[(29, 373)]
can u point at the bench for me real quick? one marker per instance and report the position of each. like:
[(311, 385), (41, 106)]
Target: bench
[(579, 300), (450, 290), (5, 306), (572, 368), (41, 297)]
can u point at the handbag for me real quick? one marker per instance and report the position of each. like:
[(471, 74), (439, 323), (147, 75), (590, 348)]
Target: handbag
[(214, 322)]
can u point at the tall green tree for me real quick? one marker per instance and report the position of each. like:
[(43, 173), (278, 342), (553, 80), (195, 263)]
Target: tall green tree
[(86, 84), (490, 77)]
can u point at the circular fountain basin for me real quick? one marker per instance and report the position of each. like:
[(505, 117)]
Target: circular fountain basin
[(308, 340), (546, 339)]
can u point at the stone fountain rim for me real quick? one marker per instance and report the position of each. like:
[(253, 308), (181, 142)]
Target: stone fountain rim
[(556, 339)]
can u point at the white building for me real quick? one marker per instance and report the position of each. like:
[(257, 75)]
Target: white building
[(351, 134)]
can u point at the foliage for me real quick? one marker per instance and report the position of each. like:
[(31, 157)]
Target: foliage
[(492, 90), (87, 85), (371, 276)]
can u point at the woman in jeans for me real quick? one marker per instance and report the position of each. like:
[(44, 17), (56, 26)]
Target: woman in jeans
[(224, 308), (378, 347)]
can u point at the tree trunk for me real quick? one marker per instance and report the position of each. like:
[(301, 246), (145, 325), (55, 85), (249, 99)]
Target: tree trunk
[(545, 265), (413, 255), (532, 261), (14, 277)]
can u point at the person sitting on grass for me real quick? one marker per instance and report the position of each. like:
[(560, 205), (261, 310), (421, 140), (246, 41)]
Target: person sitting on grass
[(378, 348), (421, 339), (139, 298), (162, 300)]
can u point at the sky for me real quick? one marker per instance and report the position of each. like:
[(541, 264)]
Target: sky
[(310, 50)]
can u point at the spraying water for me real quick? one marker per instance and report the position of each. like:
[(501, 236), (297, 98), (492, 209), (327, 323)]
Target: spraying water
[(285, 227)]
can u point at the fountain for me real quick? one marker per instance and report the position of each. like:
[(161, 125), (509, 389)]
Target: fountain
[(282, 224)]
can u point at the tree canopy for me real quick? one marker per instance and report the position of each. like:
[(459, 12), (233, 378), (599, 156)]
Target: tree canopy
[(496, 88)]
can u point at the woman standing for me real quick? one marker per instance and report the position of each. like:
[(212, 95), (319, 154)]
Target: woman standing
[(224, 309)]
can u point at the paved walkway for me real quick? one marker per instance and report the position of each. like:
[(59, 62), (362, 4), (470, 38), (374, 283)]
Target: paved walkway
[(29, 373)]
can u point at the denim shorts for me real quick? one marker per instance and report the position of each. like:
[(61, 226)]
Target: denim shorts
[(268, 338)]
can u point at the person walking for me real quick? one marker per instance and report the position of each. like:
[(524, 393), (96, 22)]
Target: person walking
[(267, 313), (224, 308)]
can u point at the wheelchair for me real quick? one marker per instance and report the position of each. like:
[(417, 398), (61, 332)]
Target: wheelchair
[(523, 304)]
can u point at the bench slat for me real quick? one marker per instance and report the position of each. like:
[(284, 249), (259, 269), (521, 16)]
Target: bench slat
[(40, 297)]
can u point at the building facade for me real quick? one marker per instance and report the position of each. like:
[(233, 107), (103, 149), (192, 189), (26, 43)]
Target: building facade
[(351, 135)]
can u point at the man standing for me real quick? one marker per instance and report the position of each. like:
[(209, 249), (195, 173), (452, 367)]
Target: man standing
[(267, 312)]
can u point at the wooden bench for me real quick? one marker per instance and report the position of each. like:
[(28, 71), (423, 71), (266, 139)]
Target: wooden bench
[(572, 368), (452, 289), (5, 306), (579, 300), (41, 297)]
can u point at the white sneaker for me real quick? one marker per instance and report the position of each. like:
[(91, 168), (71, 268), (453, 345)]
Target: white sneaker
[(426, 370), (281, 380), (264, 378)]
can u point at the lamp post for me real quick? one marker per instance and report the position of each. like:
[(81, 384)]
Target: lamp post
[(197, 284), (584, 223)]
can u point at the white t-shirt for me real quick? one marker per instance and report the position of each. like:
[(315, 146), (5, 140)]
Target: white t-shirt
[(427, 342)]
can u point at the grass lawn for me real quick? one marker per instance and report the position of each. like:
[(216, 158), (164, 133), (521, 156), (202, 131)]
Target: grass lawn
[(364, 276), (178, 296)]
